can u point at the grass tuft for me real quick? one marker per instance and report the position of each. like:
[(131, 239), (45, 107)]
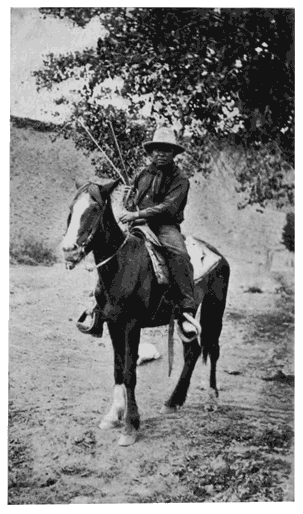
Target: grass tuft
[(253, 290), (32, 253)]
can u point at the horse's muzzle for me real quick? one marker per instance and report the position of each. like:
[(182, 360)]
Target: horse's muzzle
[(72, 258), (69, 265)]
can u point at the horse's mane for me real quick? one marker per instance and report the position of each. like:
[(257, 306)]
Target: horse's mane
[(114, 199), (92, 189)]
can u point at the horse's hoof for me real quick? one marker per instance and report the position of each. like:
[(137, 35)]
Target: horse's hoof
[(211, 404), (107, 424), (128, 439), (168, 410), (210, 407)]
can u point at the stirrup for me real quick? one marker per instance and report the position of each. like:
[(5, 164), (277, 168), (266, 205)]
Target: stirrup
[(95, 325), (192, 324)]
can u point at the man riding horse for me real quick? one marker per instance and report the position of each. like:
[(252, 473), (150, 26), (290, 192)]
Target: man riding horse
[(158, 196), (129, 294)]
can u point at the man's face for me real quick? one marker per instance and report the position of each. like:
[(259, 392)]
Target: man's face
[(163, 156)]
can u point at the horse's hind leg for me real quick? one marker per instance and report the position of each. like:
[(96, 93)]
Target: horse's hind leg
[(212, 311), (115, 415), (191, 354), (211, 403)]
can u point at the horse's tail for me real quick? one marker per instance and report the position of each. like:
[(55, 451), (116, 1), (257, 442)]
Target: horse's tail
[(212, 309)]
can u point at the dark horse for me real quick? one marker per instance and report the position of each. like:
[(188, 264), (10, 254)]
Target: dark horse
[(129, 298)]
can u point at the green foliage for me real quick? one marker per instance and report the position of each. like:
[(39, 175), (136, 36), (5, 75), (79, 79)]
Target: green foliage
[(79, 16), (288, 234), (227, 73), (32, 253), (129, 132), (265, 176)]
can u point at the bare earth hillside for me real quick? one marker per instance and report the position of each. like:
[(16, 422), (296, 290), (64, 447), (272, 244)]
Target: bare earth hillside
[(42, 183), (42, 186)]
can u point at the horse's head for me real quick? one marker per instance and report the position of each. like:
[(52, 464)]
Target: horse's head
[(85, 217)]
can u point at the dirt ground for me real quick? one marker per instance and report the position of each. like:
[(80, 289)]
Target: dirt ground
[(61, 384)]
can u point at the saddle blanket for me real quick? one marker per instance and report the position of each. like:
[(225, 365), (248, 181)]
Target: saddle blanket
[(202, 258)]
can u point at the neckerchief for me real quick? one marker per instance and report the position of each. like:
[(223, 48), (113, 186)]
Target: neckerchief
[(159, 179)]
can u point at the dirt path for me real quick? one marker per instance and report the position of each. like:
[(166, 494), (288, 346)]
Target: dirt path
[(61, 384)]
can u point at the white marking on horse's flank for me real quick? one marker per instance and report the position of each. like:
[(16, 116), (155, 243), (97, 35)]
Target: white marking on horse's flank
[(79, 208)]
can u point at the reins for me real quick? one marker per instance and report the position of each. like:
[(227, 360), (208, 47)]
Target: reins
[(102, 263)]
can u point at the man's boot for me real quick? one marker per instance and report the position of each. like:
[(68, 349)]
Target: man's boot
[(189, 326), (90, 322)]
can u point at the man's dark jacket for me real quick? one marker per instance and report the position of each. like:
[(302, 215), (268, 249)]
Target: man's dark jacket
[(160, 195)]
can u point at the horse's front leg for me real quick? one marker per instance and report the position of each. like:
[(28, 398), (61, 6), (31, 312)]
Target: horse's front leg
[(114, 416), (131, 417), (125, 338), (117, 411)]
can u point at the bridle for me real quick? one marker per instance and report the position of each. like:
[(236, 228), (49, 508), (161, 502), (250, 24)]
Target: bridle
[(90, 237), (81, 247)]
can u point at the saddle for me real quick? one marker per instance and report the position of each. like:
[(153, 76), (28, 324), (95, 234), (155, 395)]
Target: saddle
[(202, 258), (153, 247)]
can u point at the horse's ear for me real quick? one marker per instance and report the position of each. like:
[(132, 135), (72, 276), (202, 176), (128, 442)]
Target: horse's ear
[(109, 188), (79, 182)]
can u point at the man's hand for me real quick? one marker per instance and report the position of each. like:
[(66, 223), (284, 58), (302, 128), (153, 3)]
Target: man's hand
[(127, 217)]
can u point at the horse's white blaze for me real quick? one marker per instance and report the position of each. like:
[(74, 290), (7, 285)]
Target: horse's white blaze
[(79, 208)]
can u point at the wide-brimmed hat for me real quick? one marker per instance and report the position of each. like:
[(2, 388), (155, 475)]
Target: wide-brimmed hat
[(163, 137)]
